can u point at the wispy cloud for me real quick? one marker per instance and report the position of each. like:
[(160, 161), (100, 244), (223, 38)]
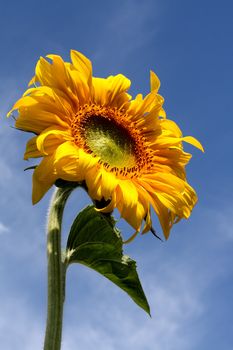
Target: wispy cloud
[(5, 172), (9, 91), (103, 317), (19, 328), (3, 228), (113, 322), (129, 27), (223, 219), (126, 30), (98, 315)]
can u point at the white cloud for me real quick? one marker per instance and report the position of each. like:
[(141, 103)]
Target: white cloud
[(5, 172), (99, 316), (19, 328), (110, 321), (217, 221), (3, 228), (103, 317), (9, 92), (113, 322)]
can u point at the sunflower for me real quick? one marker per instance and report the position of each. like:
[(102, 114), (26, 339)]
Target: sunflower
[(90, 129)]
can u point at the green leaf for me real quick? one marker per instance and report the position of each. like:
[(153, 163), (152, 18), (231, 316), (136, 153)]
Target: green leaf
[(95, 242)]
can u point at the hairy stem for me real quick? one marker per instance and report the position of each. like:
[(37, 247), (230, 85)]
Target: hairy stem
[(56, 271)]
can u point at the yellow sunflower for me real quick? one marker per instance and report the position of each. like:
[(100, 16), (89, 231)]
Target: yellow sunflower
[(90, 129)]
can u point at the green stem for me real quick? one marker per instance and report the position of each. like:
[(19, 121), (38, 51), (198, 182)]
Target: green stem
[(56, 271)]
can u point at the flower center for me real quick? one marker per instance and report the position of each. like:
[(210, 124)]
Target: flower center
[(109, 141), (107, 133)]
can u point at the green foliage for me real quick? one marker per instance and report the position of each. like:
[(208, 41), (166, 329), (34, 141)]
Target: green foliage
[(95, 242)]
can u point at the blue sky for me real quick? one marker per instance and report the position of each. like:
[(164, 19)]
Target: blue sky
[(189, 279)]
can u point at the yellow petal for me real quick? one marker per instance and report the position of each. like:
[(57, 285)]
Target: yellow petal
[(36, 120), (93, 182), (193, 141), (111, 91), (162, 113), (32, 150), (148, 223), (43, 72), (171, 128), (118, 85), (43, 179), (108, 183), (137, 108), (32, 81), (110, 207), (82, 64), (128, 192), (129, 207), (100, 91), (22, 102), (48, 141), (53, 99), (164, 218), (79, 86), (154, 82), (131, 238)]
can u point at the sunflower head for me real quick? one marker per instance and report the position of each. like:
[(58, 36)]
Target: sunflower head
[(90, 130)]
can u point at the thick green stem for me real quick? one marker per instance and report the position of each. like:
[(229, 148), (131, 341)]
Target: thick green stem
[(56, 271)]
